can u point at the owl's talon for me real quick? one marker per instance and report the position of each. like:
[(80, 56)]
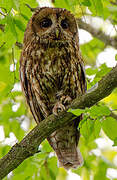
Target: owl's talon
[(58, 107), (66, 100)]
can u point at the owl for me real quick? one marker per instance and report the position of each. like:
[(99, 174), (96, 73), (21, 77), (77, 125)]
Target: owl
[(52, 75)]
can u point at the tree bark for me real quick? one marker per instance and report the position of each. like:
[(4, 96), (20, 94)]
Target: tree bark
[(111, 41), (29, 145)]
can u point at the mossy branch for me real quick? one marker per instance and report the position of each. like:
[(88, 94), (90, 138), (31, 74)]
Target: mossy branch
[(29, 145)]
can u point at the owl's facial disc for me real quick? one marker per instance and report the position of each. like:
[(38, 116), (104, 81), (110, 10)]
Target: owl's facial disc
[(54, 24)]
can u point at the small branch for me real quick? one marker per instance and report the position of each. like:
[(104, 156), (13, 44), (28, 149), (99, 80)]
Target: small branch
[(2, 14), (19, 45), (4, 9), (29, 145), (113, 3), (113, 115), (32, 9), (112, 41), (2, 26), (2, 44)]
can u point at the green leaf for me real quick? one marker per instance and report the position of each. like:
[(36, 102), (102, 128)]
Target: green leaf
[(46, 147), (100, 171), (86, 128), (11, 24), (91, 71), (15, 4), (97, 128), (109, 126), (86, 3), (116, 57), (99, 111), (25, 17), (115, 142), (76, 112), (103, 70), (19, 24), (27, 178), (62, 4), (96, 7), (89, 128), (91, 49)]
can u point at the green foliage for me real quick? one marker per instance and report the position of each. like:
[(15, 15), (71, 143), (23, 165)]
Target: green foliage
[(109, 126), (97, 121), (91, 49)]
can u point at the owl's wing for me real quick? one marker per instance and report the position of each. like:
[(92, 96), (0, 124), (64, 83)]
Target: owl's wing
[(83, 78), (27, 83)]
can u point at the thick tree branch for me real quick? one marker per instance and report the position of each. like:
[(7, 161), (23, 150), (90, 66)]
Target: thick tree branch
[(112, 41), (29, 145)]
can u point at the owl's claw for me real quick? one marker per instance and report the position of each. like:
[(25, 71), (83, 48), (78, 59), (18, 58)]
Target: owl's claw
[(66, 100), (58, 107)]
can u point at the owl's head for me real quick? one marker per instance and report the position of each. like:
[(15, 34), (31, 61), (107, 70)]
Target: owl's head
[(53, 24)]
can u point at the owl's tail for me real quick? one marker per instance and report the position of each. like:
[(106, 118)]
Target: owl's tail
[(64, 142), (70, 158)]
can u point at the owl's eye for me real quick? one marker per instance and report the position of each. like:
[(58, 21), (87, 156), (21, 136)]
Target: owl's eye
[(64, 24), (46, 23)]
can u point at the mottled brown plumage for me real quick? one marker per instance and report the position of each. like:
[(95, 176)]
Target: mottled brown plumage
[(52, 75)]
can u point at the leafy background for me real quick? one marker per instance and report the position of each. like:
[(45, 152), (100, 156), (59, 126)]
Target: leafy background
[(98, 128)]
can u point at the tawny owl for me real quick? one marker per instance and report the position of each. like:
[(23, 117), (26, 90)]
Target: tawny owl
[(52, 75)]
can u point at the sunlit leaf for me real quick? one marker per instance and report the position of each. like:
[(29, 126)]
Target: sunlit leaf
[(115, 142), (99, 111), (116, 57), (76, 112), (86, 3), (109, 126)]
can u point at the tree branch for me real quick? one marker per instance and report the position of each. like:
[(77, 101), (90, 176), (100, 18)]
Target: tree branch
[(32, 9), (112, 41), (2, 26), (29, 145), (113, 115), (19, 45)]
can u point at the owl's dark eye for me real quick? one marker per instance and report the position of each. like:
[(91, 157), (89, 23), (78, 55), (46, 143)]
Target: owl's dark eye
[(46, 23), (64, 24)]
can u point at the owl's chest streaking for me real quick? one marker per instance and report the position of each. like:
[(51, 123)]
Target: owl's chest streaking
[(58, 68), (49, 71)]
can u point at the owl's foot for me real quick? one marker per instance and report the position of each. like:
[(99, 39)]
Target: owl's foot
[(58, 107), (61, 105), (66, 100)]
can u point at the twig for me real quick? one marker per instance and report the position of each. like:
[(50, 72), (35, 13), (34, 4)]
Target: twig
[(2, 44), (2, 14), (4, 9), (113, 3), (19, 45), (32, 9), (113, 115), (2, 26), (13, 64)]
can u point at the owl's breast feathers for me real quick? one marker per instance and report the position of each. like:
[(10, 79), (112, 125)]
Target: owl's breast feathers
[(49, 71)]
